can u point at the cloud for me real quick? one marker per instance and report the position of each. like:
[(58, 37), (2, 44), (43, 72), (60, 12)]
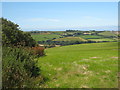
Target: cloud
[(53, 20), (42, 20), (87, 18)]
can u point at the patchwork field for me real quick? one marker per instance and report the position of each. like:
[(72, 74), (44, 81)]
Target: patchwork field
[(74, 36), (92, 65)]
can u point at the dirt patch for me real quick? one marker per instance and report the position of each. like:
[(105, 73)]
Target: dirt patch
[(115, 57), (94, 57)]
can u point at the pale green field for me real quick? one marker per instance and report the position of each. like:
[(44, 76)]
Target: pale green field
[(70, 39), (89, 36), (107, 33), (92, 65), (104, 39)]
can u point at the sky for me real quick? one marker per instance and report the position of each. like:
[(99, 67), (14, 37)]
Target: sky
[(59, 16)]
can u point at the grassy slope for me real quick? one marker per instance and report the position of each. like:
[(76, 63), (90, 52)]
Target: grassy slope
[(107, 33), (81, 66), (98, 38), (40, 37), (89, 36)]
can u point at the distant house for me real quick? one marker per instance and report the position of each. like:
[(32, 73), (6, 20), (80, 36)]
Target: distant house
[(41, 45), (57, 45), (87, 33), (64, 34)]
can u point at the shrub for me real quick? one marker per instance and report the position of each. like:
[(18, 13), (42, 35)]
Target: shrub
[(19, 68), (39, 51), (12, 35), (19, 65)]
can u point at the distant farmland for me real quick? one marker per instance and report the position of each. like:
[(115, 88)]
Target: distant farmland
[(70, 37)]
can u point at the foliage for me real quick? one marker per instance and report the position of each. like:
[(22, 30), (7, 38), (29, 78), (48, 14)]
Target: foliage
[(19, 63), (39, 51), (19, 68), (11, 35), (49, 43)]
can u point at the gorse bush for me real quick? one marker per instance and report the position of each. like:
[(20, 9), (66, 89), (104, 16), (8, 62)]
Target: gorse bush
[(19, 68), (11, 35)]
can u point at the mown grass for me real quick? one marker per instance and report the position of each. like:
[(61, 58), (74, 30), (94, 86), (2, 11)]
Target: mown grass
[(44, 37), (81, 66)]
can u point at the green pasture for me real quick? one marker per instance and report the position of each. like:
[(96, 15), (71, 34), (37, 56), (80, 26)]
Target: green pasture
[(107, 33), (89, 36), (92, 65)]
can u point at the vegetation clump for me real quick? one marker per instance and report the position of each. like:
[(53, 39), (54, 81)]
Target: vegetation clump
[(18, 58), (12, 35)]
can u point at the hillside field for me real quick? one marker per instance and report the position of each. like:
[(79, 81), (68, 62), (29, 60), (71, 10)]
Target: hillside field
[(44, 37), (107, 33), (92, 65), (90, 36)]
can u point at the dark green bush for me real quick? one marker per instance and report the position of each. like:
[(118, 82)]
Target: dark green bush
[(19, 68), (12, 35)]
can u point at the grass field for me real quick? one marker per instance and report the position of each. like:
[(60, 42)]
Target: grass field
[(107, 33), (90, 36), (81, 66), (70, 39), (44, 37), (103, 39)]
